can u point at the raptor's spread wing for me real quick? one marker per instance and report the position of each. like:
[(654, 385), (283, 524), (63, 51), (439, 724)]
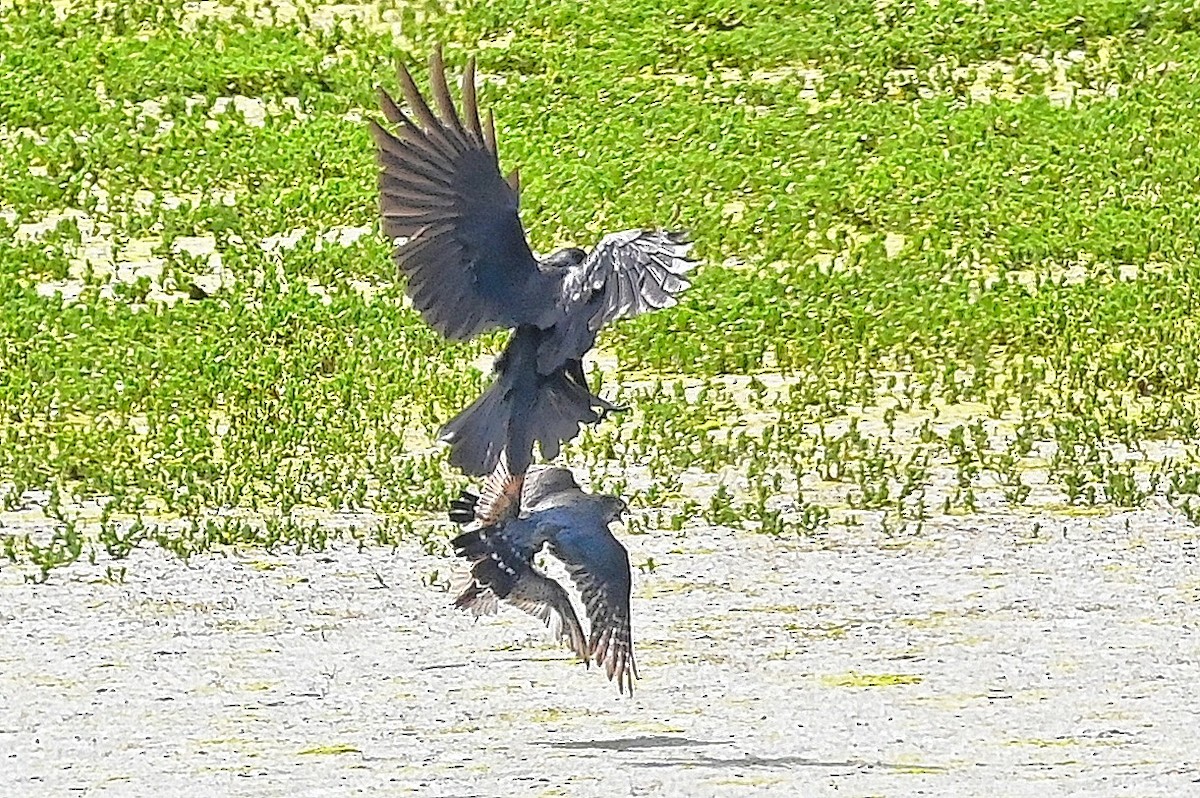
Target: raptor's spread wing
[(542, 488), (500, 498), (627, 274), (599, 566), (500, 571), (468, 264), (542, 597)]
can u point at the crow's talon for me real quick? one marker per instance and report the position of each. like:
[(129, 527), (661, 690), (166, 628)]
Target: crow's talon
[(606, 408)]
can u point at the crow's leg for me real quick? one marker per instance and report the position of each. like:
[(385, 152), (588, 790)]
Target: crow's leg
[(574, 370)]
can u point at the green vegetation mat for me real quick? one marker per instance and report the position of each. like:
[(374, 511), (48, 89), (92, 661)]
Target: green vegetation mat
[(950, 262)]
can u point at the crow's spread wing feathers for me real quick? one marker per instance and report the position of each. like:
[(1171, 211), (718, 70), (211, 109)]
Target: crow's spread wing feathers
[(464, 252), (627, 274)]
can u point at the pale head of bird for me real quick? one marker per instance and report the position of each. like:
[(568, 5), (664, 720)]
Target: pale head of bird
[(567, 258), (613, 507)]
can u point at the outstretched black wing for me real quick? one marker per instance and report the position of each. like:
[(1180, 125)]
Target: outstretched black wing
[(464, 252), (627, 274), (599, 566)]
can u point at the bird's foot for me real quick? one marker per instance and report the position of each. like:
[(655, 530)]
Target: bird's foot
[(605, 407)]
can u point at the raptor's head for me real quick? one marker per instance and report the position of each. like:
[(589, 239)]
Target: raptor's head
[(614, 507), (564, 258)]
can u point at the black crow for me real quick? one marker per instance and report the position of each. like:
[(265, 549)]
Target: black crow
[(469, 268)]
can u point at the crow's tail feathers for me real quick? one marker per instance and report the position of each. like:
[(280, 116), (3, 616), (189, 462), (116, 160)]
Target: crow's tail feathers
[(506, 419), (476, 434)]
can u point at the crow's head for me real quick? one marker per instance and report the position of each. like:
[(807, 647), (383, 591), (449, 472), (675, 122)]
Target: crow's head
[(565, 258)]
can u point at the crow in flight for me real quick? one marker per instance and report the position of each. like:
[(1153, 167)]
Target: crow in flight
[(574, 525), (469, 268)]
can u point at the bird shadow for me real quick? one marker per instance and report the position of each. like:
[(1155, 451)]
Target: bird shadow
[(675, 758), (630, 743), (752, 761)]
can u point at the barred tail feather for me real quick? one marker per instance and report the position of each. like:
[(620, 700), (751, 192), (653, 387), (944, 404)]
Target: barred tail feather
[(497, 574), (496, 564), (462, 509)]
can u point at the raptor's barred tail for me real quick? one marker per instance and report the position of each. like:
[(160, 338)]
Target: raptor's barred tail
[(508, 419), (497, 566), (462, 509)]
